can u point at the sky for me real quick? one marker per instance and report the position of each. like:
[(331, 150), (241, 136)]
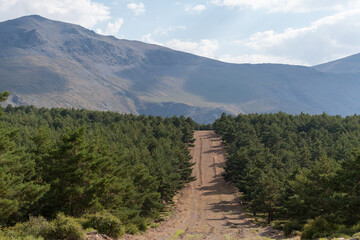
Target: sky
[(302, 32)]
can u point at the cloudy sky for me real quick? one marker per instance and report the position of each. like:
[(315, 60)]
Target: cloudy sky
[(307, 32)]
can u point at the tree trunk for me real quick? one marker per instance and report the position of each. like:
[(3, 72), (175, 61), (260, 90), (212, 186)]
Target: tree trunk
[(270, 217)]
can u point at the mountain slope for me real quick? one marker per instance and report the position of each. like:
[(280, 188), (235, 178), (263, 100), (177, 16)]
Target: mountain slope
[(349, 64), (53, 64)]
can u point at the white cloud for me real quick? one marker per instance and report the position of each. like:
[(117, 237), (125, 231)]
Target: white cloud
[(83, 12), (259, 59), (291, 5), (112, 28), (148, 38), (165, 31), (195, 8), (205, 47), (137, 8), (325, 39)]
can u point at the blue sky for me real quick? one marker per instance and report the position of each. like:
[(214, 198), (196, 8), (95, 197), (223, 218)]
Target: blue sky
[(304, 32)]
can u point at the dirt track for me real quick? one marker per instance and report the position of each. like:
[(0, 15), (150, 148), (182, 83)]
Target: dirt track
[(209, 207)]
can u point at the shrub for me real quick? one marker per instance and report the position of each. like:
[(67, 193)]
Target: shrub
[(105, 223), (36, 226), (11, 234), (132, 217), (339, 235), (142, 224), (356, 235), (31, 238), (317, 228), (290, 226), (154, 225), (131, 228), (276, 224), (67, 228), (356, 228), (295, 233), (7, 237)]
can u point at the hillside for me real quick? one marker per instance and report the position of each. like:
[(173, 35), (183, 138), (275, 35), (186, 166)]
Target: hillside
[(54, 64), (349, 64)]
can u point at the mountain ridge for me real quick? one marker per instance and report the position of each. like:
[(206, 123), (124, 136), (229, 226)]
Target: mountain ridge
[(350, 64), (55, 64)]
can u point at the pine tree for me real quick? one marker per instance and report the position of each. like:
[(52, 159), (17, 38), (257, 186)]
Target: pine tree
[(73, 168), (19, 186), (314, 187), (347, 183)]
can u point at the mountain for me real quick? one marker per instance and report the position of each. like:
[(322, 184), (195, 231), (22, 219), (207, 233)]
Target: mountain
[(54, 64), (349, 64)]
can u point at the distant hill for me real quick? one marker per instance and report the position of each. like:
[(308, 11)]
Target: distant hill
[(54, 64), (349, 64)]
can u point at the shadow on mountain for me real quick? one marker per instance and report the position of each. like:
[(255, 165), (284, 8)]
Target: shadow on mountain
[(199, 114), (30, 79)]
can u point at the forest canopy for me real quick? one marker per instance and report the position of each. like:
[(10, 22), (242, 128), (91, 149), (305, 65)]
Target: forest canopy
[(89, 167), (66, 170), (300, 168)]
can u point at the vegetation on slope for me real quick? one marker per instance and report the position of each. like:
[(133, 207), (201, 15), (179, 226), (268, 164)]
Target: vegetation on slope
[(96, 169), (304, 169)]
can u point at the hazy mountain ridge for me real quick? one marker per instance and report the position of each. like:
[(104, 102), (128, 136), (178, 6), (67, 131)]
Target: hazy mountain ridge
[(349, 65), (53, 64)]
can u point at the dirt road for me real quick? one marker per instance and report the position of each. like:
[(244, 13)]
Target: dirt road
[(209, 207)]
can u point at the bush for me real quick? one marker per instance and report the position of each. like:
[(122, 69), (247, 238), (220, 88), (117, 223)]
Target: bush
[(277, 224), (131, 228), (10, 234), (12, 237), (105, 223), (317, 228), (290, 226), (142, 225), (340, 235), (132, 217), (356, 235), (295, 233), (356, 228), (67, 228), (37, 227)]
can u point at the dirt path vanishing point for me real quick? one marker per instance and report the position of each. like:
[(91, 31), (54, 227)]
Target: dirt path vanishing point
[(208, 208)]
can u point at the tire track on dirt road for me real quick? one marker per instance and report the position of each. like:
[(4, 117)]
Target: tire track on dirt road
[(208, 208)]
